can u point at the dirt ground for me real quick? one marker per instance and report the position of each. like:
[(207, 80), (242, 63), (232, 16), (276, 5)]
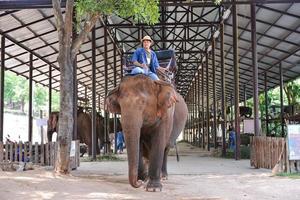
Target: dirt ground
[(195, 177)]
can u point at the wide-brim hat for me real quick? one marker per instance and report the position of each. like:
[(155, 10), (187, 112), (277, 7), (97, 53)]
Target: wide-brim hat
[(147, 37)]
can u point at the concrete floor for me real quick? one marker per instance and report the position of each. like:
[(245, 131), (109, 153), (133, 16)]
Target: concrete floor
[(194, 177)]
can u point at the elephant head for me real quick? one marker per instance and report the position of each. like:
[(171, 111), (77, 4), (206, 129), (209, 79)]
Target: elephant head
[(141, 102), (52, 125)]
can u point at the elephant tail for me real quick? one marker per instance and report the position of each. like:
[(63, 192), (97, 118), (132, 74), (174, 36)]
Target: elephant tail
[(176, 150)]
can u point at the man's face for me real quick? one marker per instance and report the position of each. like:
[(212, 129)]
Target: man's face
[(146, 44)]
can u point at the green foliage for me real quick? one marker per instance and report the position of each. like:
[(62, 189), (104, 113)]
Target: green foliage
[(55, 101), (295, 175), (40, 97), (146, 11), (101, 158), (16, 94), (292, 91)]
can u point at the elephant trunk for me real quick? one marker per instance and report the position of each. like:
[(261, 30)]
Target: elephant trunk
[(132, 140)]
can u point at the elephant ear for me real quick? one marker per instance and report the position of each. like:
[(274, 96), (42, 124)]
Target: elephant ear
[(166, 97), (111, 101)]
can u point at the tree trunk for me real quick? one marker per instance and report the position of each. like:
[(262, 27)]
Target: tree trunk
[(66, 113)]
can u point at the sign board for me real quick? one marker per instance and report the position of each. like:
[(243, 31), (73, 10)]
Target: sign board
[(248, 126), (41, 122), (73, 149), (293, 131)]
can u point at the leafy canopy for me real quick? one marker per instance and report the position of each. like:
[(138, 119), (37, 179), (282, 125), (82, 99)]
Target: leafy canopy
[(146, 11)]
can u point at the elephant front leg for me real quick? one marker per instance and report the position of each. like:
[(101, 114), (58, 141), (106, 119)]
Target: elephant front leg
[(143, 166), (164, 172), (155, 163)]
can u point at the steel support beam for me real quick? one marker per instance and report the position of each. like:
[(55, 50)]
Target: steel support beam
[(50, 92), (2, 76), (207, 102), (202, 104), (223, 93), (214, 93), (266, 104), (281, 100), (236, 80), (115, 85), (106, 114), (30, 98), (94, 138), (255, 70)]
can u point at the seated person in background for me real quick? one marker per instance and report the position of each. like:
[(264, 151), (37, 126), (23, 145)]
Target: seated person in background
[(145, 60), (120, 142)]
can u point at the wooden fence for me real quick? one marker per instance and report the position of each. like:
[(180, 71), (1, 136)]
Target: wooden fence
[(42, 154), (266, 152)]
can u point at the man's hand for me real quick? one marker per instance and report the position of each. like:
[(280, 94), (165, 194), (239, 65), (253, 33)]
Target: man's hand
[(144, 66), (161, 69)]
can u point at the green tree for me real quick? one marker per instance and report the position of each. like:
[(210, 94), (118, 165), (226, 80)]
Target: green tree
[(40, 97), (55, 100), (292, 91), (87, 12), (9, 86)]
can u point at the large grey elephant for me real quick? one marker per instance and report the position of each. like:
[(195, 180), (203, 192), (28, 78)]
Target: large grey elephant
[(152, 116)]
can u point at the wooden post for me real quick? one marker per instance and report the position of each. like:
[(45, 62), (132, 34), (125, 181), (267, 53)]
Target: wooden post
[(1, 151), (51, 153), (11, 151), (42, 154), (36, 153), (25, 152), (30, 152), (16, 151), (20, 151), (47, 160), (6, 151)]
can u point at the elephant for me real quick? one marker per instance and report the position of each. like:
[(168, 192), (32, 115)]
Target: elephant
[(84, 129), (153, 115)]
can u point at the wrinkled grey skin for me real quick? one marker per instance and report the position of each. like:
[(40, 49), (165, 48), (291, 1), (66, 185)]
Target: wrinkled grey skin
[(152, 116)]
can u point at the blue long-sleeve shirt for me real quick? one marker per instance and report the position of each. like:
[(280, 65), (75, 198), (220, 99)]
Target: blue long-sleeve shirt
[(141, 57)]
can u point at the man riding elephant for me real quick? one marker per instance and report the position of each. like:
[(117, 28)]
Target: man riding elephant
[(152, 116)]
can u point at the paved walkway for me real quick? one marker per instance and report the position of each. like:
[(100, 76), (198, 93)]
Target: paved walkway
[(193, 178)]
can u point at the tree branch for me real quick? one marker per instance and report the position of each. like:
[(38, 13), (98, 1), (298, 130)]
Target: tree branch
[(68, 23), (88, 25), (59, 19)]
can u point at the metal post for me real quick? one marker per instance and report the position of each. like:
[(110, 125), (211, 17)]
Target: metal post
[(198, 108), (195, 112), (30, 98), (94, 138), (266, 104), (42, 130), (223, 94), (255, 69), (202, 101), (214, 93), (2, 76), (245, 96), (236, 80), (106, 114), (207, 102), (281, 100), (50, 91), (115, 84)]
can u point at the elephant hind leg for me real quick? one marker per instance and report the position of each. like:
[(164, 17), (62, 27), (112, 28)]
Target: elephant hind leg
[(164, 172), (143, 169)]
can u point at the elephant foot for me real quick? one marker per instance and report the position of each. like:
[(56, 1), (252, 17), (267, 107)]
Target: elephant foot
[(143, 177), (152, 186), (164, 176)]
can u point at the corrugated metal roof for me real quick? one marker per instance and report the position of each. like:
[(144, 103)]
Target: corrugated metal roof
[(186, 29)]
